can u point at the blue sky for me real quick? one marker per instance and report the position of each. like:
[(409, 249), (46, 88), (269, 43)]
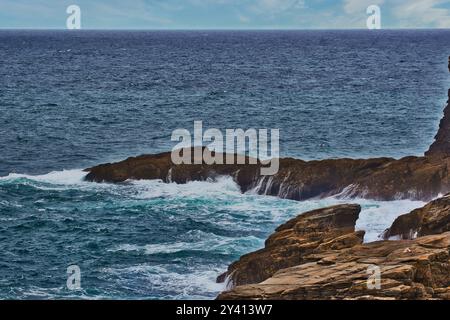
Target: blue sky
[(224, 14)]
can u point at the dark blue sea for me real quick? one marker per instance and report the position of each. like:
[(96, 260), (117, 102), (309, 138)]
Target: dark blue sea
[(70, 100)]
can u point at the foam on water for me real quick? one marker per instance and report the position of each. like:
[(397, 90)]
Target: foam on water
[(65, 177), (143, 239)]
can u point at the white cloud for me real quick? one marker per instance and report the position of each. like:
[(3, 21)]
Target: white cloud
[(406, 13), (359, 6), (422, 13)]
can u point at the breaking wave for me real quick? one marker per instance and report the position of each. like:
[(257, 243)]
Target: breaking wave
[(142, 238)]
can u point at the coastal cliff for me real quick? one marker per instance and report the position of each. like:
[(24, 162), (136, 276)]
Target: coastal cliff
[(298, 241), (434, 218)]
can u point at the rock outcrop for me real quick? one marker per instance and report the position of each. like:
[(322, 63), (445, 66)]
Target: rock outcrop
[(434, 218), (409, 269), (324, 265), (441, 145), (419, 178), (296, 242)]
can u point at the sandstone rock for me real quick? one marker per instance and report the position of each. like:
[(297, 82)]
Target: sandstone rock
[(421, 272), (434, 218), (298, 241)]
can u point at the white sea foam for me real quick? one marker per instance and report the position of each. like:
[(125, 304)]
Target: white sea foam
[(247, 219), (195, 241), (223, 186), (64, 177), (375, 217), (198, 284)]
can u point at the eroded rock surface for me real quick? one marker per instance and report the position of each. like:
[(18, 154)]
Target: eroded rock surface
[(297, 241), (327, 264), (410, 269), (420, 178)]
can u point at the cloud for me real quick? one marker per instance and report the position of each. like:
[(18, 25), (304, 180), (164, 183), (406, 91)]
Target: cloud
[(406, 13), (359, 6), (147, 14), (422, 13), (276, 6)]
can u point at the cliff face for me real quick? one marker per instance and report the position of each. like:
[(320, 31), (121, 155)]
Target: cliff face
[(324, 267), (417, 269), (441, 146)]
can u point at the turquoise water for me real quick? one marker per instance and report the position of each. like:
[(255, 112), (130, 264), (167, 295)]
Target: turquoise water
[(73, 100), (141, 239)]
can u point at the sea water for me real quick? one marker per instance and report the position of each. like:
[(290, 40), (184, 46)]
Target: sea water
[(73, 100)]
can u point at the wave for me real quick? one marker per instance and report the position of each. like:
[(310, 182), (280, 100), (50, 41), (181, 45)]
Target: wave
[(64, 177), (221, 187), (189, 232), (199, 283), (375, 216), (195, 240)]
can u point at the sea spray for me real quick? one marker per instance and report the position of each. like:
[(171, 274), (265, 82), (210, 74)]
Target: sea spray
[(142, 238)]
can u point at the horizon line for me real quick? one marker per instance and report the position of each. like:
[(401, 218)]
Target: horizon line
[(217, 29)]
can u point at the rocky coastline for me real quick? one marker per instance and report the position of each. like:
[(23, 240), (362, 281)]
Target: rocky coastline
[(319, 254), (416, 178)]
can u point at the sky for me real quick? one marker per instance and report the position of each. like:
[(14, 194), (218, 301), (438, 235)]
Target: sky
[(224, 14)]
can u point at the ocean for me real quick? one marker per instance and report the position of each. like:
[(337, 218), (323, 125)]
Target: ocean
[(70, 100)]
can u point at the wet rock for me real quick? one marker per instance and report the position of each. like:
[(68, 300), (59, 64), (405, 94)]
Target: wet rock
[(297, 241), (420, 178), (434, 218)]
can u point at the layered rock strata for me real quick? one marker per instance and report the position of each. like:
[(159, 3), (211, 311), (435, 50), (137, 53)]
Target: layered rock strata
[(342, 267)]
